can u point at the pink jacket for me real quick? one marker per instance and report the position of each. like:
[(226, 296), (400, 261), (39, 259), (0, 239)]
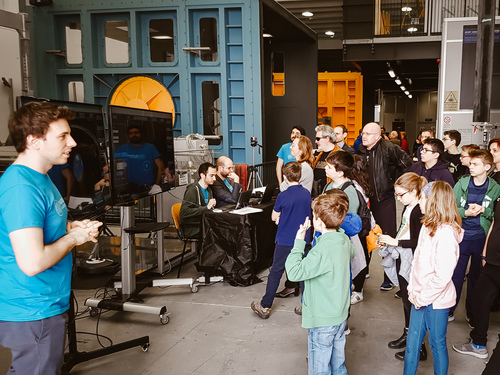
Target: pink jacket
[(433, 264)]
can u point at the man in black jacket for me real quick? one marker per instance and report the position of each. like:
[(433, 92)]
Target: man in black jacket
[(385, 163), (226, 187)]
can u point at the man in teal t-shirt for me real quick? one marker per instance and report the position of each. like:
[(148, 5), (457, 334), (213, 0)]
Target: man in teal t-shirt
[(36, 241), (284, 154)]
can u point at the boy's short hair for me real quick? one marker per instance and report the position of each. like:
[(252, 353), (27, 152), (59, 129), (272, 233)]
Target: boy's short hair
[(292, 171), (34, 119), (469, 148), (454, 135), (484, 155), (342, 161), (203, 169), (331, 208), (436, 144)]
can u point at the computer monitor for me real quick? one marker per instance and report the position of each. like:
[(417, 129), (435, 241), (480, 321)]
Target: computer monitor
[(141, 153)]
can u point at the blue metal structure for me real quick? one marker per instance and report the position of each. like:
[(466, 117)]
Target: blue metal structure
[(234, 63)]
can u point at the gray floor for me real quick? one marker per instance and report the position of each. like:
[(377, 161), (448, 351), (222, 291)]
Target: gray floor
[(215, 332)]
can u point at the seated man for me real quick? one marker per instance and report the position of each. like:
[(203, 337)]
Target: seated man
[(197, 200), (226, 187)]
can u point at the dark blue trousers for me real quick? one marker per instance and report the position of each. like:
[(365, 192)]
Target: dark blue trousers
[(281, 252)]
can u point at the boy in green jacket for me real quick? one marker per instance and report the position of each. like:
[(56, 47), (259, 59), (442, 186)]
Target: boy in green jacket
[(325, 272)]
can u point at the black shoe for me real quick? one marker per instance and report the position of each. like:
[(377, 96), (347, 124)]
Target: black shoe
[(399, 343), (287, 292), (423, 354), (397, 294)]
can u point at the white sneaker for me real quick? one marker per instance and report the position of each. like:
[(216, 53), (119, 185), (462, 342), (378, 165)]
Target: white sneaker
[(356, 297), (367, 276)]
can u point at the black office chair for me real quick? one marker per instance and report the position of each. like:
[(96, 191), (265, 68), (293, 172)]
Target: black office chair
[(176, 209)]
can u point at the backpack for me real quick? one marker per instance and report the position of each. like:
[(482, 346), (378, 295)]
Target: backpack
[(363, 211)]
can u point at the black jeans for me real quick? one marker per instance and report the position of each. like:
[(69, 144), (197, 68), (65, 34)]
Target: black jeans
[(485, 292)]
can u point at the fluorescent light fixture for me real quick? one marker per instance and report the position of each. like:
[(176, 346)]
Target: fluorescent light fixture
[(407, 92), (330, 33), (267, 35), (398, 81), (307, 14), (402, 88), (161, 37), (406, 9), (412, 29), (410, 96), (391, 73)]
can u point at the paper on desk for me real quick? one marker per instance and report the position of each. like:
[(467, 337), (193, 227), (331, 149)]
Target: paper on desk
[(246, 211)]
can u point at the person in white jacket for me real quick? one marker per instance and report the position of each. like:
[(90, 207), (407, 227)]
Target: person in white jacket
[(431, 289)]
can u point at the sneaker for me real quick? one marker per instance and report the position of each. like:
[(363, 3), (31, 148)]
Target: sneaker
[(347, 331), (470, 349), (263, 312), (367, 276), (386, 286), (356, 297), (397, 294), (298, 310), (451, 317)]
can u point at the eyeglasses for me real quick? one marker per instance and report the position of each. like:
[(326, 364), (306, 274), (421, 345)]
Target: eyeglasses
[(446, 139), (400, 195), (320, 138), (424, 150)]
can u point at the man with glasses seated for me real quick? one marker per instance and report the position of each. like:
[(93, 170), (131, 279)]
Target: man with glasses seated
[(385, 163), (433, 167), (326, 140)]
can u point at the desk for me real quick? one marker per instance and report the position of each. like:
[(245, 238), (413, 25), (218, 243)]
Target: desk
[(238, 246)]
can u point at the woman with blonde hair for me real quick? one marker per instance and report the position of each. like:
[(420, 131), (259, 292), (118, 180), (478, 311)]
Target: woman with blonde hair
[(408, 190), (431, 289), (301, 149)]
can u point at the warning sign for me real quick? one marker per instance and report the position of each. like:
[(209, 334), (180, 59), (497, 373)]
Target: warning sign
[(447, 120), (451, 101)]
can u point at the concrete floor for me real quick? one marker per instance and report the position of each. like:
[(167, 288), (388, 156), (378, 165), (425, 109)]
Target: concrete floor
[(214, 331)]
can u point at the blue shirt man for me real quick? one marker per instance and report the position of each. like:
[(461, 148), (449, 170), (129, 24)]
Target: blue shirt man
[(36, 241), (284, 154)]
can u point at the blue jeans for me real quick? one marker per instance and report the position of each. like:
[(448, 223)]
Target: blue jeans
[(281, 252), (327, 350), (436, 322)]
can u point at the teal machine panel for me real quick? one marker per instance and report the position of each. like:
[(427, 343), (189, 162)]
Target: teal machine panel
[(206, 53)]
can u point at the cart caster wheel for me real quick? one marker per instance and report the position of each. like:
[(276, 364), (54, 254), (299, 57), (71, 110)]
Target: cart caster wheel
[(164, 319), (93, 311), (145, 347), (194, 289)]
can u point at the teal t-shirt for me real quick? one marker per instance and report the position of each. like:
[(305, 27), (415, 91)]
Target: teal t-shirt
[(30, 199)]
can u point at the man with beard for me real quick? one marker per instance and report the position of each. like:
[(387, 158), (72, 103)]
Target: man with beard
[(226, 187), (140, 158), (284, 155)]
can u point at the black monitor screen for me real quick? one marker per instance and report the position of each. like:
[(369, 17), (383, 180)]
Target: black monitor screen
[(87, 172), (142, 153)]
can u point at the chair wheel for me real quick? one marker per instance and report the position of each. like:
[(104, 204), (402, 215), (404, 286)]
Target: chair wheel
[(145, 347), (164, 319), (194, 289)]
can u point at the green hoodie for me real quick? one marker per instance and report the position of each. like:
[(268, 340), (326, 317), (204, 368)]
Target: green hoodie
[(489, 199), (326, 274)]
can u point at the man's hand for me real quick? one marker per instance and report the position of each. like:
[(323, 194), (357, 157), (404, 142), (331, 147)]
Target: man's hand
[(301, 233), (211, 203), (474, 210), (84, 231), (233, 176)]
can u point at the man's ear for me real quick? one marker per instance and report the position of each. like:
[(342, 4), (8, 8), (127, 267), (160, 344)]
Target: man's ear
[(487, 167), (32, 142)]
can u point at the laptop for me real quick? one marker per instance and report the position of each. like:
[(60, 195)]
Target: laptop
[(266, 196)]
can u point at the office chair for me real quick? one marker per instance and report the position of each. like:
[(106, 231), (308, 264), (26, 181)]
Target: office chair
[(176, 209)]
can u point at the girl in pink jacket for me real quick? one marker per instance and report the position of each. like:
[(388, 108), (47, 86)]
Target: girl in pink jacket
[(431, 290)]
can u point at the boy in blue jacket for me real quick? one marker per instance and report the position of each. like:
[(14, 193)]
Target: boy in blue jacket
[(325, 271)]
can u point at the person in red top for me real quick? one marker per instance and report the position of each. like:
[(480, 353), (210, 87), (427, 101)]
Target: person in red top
[(404, 143)]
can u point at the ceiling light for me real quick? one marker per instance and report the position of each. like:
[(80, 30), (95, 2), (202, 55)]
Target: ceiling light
[(398, 81), (161, 37), (407, 92), (412, 29), (406, 9), (267, 35), (307, 14), (410, 96), (391, 73), (402, 88), (330, 33)]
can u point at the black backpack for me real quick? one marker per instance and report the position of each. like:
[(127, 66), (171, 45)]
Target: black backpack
[(363, 211)]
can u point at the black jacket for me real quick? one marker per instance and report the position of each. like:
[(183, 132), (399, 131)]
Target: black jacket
[(348, 148), (386, 162), (222, 194)]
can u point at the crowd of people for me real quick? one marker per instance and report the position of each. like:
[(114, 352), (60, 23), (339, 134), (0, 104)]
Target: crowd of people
[(447, 227)]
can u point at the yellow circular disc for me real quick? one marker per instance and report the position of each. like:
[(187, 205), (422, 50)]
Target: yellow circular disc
[(144, 93)]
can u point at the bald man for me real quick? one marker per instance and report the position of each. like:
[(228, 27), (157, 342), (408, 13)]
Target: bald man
[(385, 163), (226, 187)]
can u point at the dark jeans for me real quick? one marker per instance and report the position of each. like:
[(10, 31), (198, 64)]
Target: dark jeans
[(485, 292), (469, 249), (273, 281), (385, 215), (37, 346)]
